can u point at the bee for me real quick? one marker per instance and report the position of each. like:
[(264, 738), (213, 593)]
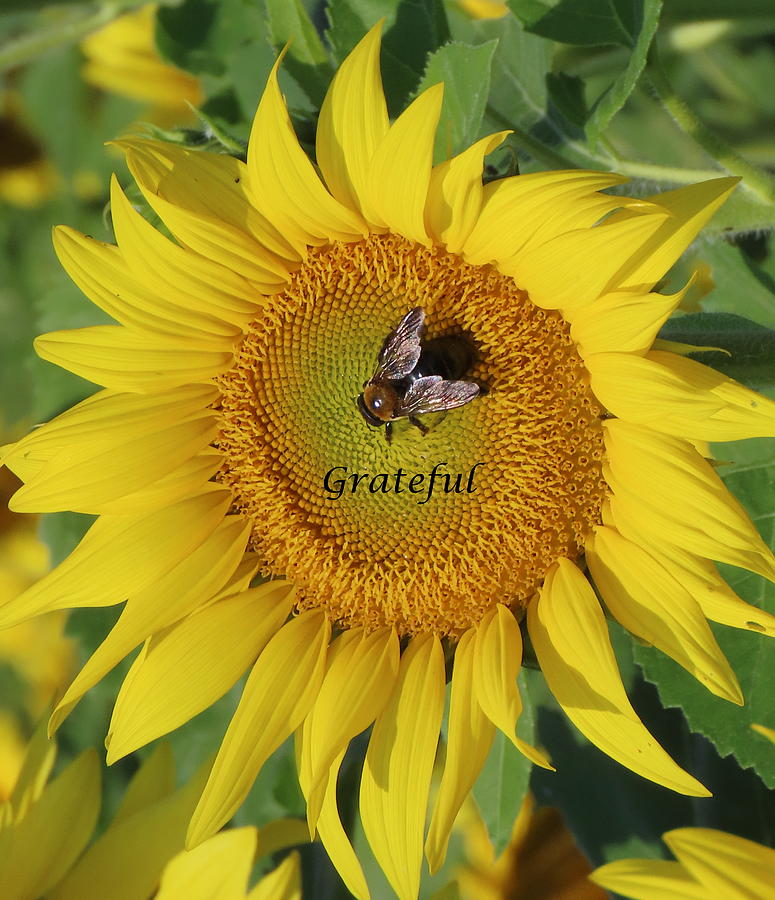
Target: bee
[(413, 378)]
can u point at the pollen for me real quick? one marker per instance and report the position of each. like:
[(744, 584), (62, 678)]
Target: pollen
[(289, 414)]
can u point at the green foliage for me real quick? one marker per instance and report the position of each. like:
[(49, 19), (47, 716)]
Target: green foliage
[(749, 347), (587, 23), (638, 41), (465, 73)]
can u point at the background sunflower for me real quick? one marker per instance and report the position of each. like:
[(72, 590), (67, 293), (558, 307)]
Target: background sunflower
[(581, 85)]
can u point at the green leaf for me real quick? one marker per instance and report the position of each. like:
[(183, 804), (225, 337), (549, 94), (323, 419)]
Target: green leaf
[(307, 59), (61, 532), (609, 104), (465, 71), (742, 287), (501, 787), (520, 65), (751, 348), (584, 22), (249, 66), (412, 30), (751, 477), (742, 213), (200, 35), (566, 93)]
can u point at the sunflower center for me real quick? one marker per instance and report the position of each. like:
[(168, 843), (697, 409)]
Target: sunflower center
[(523, 460)]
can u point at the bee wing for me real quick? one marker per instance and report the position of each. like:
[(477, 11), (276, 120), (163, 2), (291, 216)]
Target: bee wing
[(401, 350), (434, 394)]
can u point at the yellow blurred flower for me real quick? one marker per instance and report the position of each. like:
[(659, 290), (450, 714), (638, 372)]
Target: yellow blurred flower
[(12, 750), (37, 649), (218, 869), (45, 829), (712, 865), (27, 178), (122, 58), (484, 9), (541, 862)]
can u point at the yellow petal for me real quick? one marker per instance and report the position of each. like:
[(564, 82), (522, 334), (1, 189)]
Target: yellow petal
[(401, 167), (103, 569), (469, 738), (36, 767), (153, 781), (397, 770), (353, 120), (679, 396), (557, 274), (359, 680), (185, 480), (622, 321), (177, 592), (86, 478), (662, 540), (571, 641), (649, 879), (690, 208), (284, 883), (37, 851), (717, 600), (513, 207), (218, 869), (456, 192), (135, 361), (582, 213), (127, 860), (497, 658), (284, 184), (768, 733), (212, 185), (190, 665), (724, 864), (279, 693), (335, 840), (650, 471), (650, 603), (196, 283), (94, 421), (102, 272), (205, 201)]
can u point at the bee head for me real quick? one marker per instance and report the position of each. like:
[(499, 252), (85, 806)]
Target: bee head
[(377, 403)]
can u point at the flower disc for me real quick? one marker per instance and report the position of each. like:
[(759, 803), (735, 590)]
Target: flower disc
[(380, 556)]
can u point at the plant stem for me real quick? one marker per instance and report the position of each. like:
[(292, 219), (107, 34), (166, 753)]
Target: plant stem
[(582, 157), (27, 46), (755, 179)]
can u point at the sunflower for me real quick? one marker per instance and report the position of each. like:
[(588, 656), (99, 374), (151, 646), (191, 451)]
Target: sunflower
[(484, 9), (122, 58), (710, 864), (37, 651), (27, 177), (45, 827), (230, 388), (541, 861)]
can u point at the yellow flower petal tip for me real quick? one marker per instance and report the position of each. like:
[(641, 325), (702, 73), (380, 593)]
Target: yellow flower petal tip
[(764, 731), (710, 863)]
